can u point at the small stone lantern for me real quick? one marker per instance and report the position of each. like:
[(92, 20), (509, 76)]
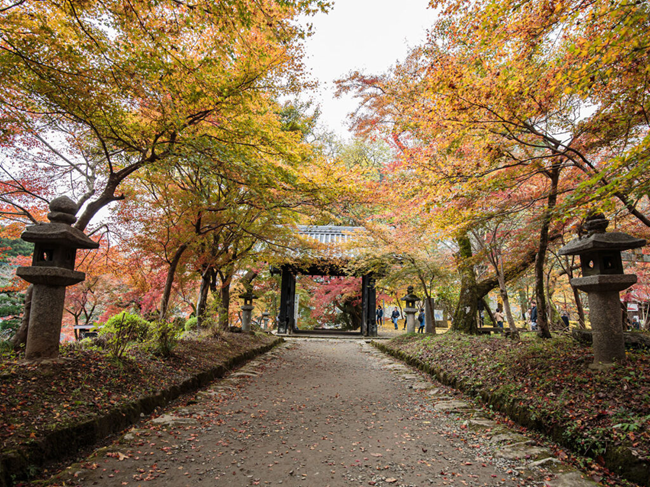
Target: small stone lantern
[(265, 320), (52, 270), (247, 310), (603, 279), (410, 309)]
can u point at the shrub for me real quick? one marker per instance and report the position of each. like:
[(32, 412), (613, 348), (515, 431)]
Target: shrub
[(192, 324), (122, 329), (164, 337)]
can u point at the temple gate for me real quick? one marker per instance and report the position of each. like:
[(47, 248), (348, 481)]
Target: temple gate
[(322, 266)]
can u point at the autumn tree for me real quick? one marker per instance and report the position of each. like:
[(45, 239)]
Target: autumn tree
[(93, 92), (485, 105)]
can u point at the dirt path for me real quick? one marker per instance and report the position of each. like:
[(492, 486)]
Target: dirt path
[(322, 413)]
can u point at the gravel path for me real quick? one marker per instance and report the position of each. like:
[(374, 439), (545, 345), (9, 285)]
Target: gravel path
[(322, 413)]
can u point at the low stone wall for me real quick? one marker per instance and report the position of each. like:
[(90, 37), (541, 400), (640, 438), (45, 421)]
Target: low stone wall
[(66, 440), (620, 460)]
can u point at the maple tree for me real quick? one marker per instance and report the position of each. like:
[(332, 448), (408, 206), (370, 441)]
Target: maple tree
[(122, 86), (329, 301), (495, 114), (114, 88), (91, 298), (94, 92), (584, 64)]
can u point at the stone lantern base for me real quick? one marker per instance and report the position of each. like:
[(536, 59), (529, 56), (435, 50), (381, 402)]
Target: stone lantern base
[(44, 332), (410, 319), (246, 314), (605, 315)]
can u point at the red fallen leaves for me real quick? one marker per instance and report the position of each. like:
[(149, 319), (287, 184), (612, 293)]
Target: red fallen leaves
[(551, 378), (120, 456), (88, 383)]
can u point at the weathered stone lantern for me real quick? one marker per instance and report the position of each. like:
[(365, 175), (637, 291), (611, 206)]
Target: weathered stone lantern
[(247, 310), (410, 309), (602, 279), (52, 270), (265, 320)]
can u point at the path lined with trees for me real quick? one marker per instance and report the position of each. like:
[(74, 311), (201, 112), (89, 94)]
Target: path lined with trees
[(321, 412), (175, 136)]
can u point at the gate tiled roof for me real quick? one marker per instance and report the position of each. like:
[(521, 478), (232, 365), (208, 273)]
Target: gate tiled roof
[(327, 234)]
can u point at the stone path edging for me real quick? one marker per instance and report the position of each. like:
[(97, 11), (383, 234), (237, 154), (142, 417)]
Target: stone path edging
[(16, 463), (621, 460)]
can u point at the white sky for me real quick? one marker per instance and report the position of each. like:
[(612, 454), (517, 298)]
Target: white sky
[(364, 35)]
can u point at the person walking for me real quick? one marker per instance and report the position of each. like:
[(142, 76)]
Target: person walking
[(380, 315), (498, 316), (394, 316), (421, 321), (565, 319)]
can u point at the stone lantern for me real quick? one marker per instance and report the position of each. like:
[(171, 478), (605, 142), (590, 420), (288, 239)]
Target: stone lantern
[(410, 309), (247, 310), (265, 320), (603, 279), (52, 270)]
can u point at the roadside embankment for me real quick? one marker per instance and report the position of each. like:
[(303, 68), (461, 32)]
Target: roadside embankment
[(546, 385), (51, 411)]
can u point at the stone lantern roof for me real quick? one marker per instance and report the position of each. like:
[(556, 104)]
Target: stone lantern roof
[(410, 297), (598, 239), (248, 296), (59, 231)]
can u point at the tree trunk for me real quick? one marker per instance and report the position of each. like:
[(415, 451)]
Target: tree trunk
[(580, 308), (428, 304), (247, 280), (489, 311), (553, 312), (108, 194), (201, 305), (224, 306), (430, 320), (19, 340), (167, 291), (523, 304), (540, 259), (465, 314), (503, 291), (224, 294), (471, 291)]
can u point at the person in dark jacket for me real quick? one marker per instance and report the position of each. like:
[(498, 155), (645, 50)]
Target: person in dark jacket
[(565, 319), (394, 316), (380, 315), (421, 321)]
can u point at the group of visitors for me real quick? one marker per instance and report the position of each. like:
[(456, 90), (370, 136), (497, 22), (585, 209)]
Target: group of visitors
[(531, 316), (395, 316), (635, 324)]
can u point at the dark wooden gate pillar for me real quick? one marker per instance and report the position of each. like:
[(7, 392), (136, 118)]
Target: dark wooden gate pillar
[(369, 302), (372, 307), (287, 302), (364, 304)]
